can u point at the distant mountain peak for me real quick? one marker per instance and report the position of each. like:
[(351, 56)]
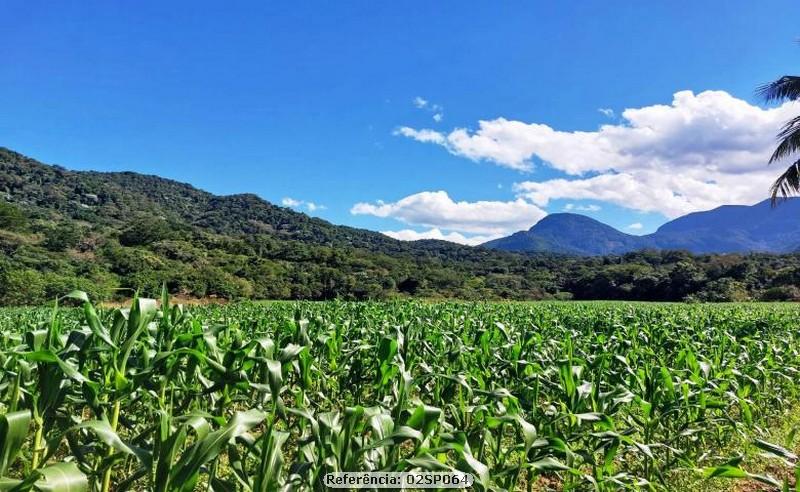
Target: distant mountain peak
[(725, 229), (567, 218), (568, 233)]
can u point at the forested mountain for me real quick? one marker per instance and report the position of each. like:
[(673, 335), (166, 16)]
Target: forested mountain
[(727, 229), (736, 228), (118, 199), (111, 233), (572, 234)]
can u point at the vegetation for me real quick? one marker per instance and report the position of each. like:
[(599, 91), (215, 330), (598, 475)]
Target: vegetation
[(786, 88), (575, 396), (112, 233), (11, 218)]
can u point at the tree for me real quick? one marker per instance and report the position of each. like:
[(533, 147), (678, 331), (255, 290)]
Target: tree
[(724, 289), (11, 217), (786, 88), (22, 288), (61, 237), (145, 231)]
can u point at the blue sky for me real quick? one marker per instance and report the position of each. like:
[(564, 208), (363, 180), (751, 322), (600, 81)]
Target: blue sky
[(322, 102)]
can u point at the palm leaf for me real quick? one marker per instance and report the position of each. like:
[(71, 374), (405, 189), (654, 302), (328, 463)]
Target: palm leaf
[(787, 183), (786, 87), (789, 137)]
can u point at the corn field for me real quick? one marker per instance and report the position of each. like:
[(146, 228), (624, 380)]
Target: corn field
[(262, 397)]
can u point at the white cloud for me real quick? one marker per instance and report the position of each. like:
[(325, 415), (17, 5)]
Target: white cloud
[(635, 226), (436, 109), (291, 202), (436, 209), (426, 136), (581, 208), (607, 112), (701, 151), (660, 191), (310, 206), (483, 145), (435, 233)]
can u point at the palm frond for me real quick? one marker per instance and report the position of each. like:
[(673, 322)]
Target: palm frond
[(789, 137), (786, 87), (787, 184)]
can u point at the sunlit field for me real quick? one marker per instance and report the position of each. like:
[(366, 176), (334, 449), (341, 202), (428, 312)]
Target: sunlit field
[(525, 396)]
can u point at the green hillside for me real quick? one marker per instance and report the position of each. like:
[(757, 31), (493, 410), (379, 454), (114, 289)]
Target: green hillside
[(110, 233), (104, 231)]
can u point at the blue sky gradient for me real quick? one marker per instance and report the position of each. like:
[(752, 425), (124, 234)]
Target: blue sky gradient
[(301, 99)]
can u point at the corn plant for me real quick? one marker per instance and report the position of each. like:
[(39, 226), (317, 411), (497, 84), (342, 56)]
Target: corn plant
[(263, 397)]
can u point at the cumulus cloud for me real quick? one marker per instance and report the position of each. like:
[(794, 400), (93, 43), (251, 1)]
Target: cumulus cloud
[(660, 191), (420, 102), (435, 233), (570, 207), (701, 151), (477, 146), (635, 226), (436, 209), (294, 203)]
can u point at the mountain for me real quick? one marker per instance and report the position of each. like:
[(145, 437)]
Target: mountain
[(570, 234), (114, 199), (111, 234), (726, 229), (102, 231), (736, 228), (117, 200)]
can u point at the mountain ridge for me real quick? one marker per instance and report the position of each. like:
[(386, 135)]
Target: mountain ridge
[(104, 231), (725, 229), (241, 213), (112, 234)]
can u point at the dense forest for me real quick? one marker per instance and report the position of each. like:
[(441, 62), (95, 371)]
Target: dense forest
[(112, 233)]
